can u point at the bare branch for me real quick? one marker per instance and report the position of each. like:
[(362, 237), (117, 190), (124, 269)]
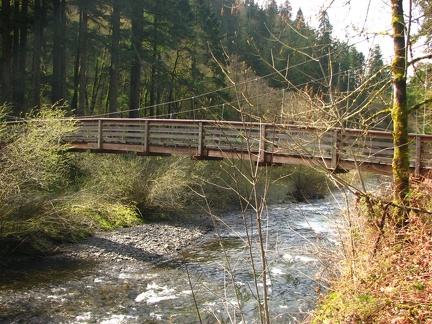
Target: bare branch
[(421, 58), (417, 106)]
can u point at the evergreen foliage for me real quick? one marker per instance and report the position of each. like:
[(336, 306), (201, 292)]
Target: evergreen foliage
[(150, 58)]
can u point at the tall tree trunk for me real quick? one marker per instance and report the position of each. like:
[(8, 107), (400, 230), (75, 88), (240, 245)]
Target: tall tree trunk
[(82, 105), (15, 37), (115, 50), (37, 50), (56, 95), (400, 110), (58, 81), (135, 77), (173, 82), (6, 51), (15, 57), (74, 101), (97, 81), (20, 91), (63, 59), (23, 35), (154, 67)]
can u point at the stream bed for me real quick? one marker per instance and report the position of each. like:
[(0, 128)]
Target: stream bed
[(207, 276)]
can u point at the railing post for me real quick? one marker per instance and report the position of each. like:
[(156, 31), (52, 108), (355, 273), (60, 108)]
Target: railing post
[(146, 136), (262, 144), (200, 139), (100, 137), (335, 149), (417, 169)]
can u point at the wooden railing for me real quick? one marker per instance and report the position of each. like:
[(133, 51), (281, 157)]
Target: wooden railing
[(334, 149)]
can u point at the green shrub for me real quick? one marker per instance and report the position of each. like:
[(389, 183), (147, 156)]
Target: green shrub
[(103, 215), (34, 169), (149, 184), (307, 183)]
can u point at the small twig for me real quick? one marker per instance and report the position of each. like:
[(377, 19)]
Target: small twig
[(393, 204), (381, 228), (193, 294)]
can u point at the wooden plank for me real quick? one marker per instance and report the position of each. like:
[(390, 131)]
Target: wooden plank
[(361, 143), (193, 131), (231, 147), (232, 133), (302, 136), (377, 160), (301, 147), (152, 134), (184, 137), (231, 141)]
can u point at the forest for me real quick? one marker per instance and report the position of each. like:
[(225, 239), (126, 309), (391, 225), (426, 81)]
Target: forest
[(175, 58), (214, 59), (219, 59)]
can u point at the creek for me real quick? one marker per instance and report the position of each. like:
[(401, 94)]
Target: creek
[(212, 281)]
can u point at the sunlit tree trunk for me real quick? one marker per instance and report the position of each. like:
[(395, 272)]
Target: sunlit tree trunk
[(400, 109), (115, 51), (74, 100)]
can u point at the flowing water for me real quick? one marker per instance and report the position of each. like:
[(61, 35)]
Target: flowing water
[(212, 282)]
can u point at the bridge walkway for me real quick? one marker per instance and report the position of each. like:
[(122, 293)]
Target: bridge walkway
[(267, 144)]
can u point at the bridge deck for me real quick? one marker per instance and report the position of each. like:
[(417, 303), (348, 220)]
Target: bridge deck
[(334, 149)]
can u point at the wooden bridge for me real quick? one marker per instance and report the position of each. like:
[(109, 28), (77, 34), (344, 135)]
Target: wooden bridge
[(267, 144)]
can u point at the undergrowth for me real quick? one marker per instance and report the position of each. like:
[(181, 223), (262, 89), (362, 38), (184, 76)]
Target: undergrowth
[(50, 195), (387, 277)]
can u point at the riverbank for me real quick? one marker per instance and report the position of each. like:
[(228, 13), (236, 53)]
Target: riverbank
[(387, 277), (36, 289), (147, 242)]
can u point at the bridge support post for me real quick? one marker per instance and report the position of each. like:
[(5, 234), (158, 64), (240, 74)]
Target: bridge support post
[(100, 137), (262, 144), (146, 136), (418, 157), (200, 139), (335, 149)]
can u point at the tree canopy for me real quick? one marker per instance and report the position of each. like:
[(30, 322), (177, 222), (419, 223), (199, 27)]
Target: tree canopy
[(152, 58)]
